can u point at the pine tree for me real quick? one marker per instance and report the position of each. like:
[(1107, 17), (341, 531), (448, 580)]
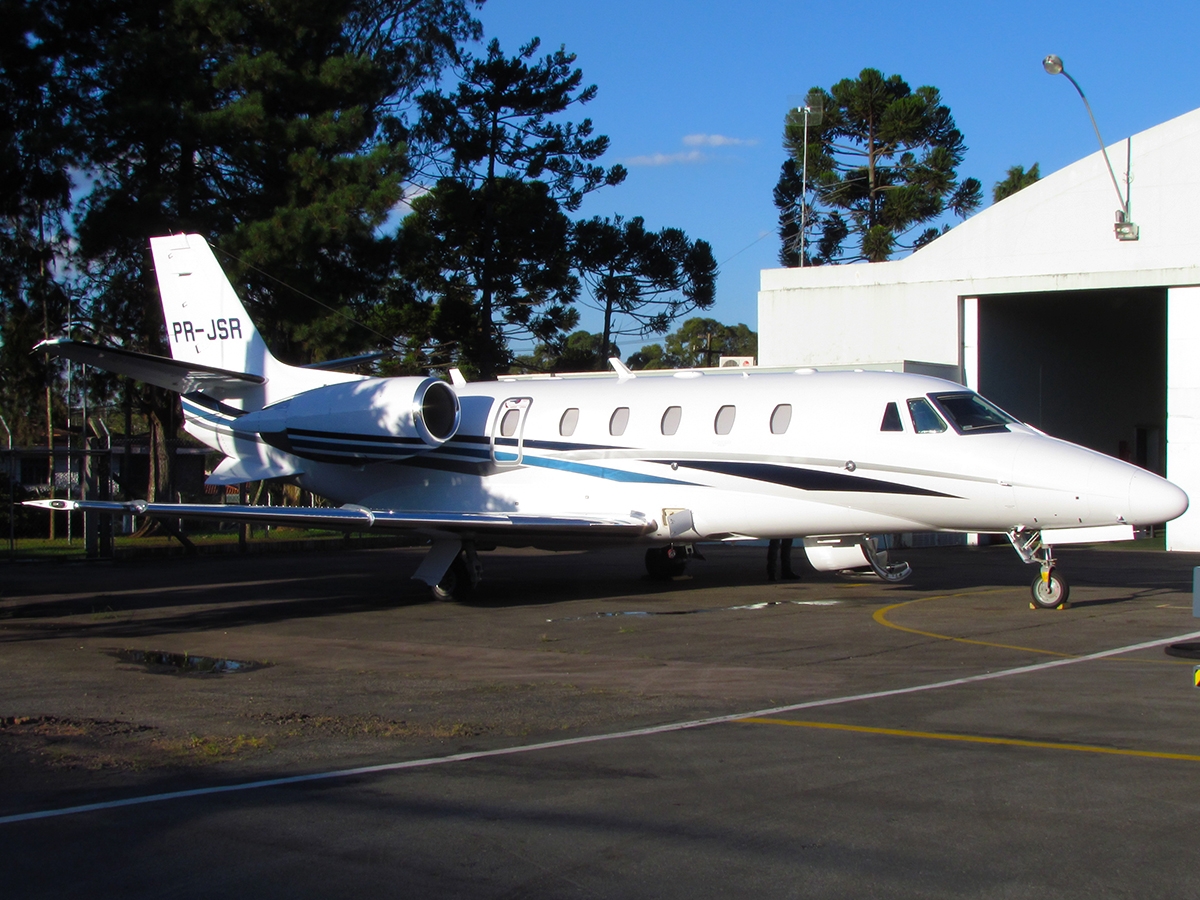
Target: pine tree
[(641, 281), (1015, 179), (489, 244), (882, 172)]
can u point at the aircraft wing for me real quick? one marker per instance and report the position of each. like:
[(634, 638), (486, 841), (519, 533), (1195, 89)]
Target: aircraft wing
[(172, 374), (496, 525)]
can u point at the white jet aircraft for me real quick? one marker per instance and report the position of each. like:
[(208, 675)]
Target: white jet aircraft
[(664, 459)]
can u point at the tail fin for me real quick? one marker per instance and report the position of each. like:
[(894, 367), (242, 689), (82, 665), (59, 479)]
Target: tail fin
[(207, 324)]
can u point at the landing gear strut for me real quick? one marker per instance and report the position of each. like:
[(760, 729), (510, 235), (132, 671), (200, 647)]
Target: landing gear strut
[(1049, 590)]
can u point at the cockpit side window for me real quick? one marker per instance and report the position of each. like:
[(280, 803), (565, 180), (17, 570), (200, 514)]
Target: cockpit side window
[(891, 419), (925, 420), (971, 414)]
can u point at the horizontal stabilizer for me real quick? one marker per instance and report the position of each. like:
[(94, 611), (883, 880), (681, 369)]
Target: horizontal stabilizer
[(174, 375), (355, 518)]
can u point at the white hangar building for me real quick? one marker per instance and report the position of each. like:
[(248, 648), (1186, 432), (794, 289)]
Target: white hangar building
[(1036, 304)]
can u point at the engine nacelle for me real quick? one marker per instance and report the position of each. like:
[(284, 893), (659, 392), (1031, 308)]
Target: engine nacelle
[(373, 420), (844, 552)]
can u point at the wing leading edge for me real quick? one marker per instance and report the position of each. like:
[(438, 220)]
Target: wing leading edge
[(356, 518), (160, 371)]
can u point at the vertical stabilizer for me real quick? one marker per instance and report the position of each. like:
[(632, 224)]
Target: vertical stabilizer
[(206, 322)]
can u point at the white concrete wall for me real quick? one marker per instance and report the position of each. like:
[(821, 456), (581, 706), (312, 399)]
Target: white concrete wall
[(894, 321), (1183, 411)]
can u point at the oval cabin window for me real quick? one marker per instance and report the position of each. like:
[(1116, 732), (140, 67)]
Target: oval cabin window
[(566, 425), (619, 421), (671, 418), (781, 418), (724, 420)]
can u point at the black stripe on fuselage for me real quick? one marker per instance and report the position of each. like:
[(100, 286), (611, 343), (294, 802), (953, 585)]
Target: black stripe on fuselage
[(808, 479), (343, 436), (215, 405), (531, 443)]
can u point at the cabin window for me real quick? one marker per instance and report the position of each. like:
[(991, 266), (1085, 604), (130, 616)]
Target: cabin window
[(670, 419), (566, 425), (891, 419), (781, 418), (508, 425), (619, 421), (723, 423), (971, 414), (925, 420)]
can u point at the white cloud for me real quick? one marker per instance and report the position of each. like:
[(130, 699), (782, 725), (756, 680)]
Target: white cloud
[(665, 159), (690, 156), (716, 140), (402, 208)]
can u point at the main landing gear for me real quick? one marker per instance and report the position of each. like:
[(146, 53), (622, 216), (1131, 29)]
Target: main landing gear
[(451, 568), (668, 562), (457, 583), (1049, 590)]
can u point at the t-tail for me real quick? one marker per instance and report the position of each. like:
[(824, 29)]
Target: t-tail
[(208, 326)]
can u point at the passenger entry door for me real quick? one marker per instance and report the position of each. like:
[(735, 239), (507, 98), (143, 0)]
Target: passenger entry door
[(508, 431)]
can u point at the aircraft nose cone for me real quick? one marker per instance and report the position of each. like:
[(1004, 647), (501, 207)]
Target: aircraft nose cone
[(1153, 500)]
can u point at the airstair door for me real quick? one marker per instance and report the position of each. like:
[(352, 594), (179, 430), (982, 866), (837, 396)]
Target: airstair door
[(508, 431)]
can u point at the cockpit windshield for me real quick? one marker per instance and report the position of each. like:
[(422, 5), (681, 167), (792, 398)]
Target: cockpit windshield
[(971, 414)]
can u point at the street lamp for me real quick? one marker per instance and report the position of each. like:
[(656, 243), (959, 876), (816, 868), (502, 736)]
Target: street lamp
[(1124, 228)]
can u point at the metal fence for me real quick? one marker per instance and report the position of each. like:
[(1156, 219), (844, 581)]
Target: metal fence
[(104, 468)]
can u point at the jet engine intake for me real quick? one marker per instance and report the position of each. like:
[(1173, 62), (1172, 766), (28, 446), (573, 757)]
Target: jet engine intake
[(373, 420)]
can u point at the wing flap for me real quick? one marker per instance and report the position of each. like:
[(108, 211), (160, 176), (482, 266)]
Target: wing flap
[(355, 518)]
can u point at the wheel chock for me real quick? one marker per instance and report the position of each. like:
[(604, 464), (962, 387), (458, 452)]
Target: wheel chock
[(1066, 604)]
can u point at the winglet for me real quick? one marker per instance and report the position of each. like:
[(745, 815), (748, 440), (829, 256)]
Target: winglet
[(624, 373)]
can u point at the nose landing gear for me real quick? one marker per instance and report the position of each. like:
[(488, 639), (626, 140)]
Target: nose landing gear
[(1049, 590)]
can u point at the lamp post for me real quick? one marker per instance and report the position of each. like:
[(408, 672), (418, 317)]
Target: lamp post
[(1125, 229), (813, 109)]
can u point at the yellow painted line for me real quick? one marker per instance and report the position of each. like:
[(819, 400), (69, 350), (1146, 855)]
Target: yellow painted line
[(976, 739), (881, 616)]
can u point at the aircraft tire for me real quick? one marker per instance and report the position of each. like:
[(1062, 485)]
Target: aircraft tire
[(455, 584), (1051, 594), (665, 562)]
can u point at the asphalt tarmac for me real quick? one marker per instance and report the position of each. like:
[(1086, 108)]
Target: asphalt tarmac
[(578, 730)]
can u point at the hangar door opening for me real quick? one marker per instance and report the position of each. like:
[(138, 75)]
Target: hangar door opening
[(1086, 366)]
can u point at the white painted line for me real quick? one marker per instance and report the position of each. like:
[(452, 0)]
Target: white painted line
[(587, 739)]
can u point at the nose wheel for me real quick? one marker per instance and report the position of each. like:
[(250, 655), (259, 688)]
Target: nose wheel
[(1049, 590)]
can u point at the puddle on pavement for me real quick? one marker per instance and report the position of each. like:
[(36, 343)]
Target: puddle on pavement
[(163, 662), (693, 612)]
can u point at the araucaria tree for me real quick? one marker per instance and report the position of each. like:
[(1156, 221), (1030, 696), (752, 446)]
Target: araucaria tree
[(882, 173), (489, 245), (641, 281)]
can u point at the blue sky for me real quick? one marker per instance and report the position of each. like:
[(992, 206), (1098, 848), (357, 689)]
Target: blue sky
[(670, 72)]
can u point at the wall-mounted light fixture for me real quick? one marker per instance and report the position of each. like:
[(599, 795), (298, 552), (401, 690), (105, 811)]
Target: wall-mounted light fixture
[(1125, 229)]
